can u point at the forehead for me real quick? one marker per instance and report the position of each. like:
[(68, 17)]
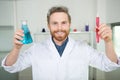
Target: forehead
[(59, 16)]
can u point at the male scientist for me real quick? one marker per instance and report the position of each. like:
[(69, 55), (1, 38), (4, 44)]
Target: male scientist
[(61, 57)]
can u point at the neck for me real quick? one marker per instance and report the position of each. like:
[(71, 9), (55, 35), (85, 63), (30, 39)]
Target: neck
[(59, 43)]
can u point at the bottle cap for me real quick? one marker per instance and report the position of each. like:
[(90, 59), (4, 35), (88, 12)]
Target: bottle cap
[(24, 22)]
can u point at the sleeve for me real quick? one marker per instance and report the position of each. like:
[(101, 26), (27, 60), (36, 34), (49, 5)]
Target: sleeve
[(101, 61), (23, 61)]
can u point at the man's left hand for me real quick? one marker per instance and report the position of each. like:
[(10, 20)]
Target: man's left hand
[(105, 32)]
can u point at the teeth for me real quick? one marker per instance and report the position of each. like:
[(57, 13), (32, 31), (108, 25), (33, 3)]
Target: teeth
[(59, 32)]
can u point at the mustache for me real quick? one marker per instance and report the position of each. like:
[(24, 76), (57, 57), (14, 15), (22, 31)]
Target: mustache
[(60, 31)]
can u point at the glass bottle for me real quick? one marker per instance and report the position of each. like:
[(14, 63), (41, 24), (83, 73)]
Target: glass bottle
[(27, 36)]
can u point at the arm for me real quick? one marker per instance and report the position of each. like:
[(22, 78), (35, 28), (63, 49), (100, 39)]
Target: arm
[(13, 55), (110, 51), (105, 33)]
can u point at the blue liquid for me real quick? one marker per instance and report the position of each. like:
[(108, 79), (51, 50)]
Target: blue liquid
[(27, 36)]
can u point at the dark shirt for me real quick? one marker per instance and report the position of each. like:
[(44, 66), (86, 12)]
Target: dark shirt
[(61, 48)]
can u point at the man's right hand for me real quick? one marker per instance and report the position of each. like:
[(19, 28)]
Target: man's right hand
[(17, 39)]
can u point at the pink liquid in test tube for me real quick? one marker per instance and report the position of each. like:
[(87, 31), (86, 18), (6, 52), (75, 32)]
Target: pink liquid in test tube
[(97, 26)]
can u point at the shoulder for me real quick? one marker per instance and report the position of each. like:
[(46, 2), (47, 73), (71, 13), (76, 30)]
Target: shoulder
[(78, 42)]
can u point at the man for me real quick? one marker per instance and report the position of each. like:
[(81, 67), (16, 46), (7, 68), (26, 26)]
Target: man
[(60, 57)]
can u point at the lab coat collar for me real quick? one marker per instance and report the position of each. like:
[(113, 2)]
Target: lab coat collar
[(66, 52)]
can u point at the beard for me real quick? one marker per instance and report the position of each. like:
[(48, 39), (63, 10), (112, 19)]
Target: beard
[(60, 35)]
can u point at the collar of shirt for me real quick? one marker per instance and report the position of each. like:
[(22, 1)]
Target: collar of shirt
[(61, 48)]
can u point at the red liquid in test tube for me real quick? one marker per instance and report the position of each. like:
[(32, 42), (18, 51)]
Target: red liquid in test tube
[(97, 26)]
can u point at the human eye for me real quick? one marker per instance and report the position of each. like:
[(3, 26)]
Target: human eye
[(64, 22), (54, 23)]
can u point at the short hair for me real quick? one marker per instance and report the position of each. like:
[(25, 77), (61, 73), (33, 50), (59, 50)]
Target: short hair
[(58, 9)]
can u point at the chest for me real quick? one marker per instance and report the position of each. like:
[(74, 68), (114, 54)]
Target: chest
[(72, 65), (74, 59)]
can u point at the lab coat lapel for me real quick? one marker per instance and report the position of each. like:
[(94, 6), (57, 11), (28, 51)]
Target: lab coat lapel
[(68, 48), (53, 50)]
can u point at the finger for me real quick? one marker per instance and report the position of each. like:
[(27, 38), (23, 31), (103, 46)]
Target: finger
[(107, 37), (17, 42), (18, 37), (102, 25), (105, 31), (101, 29), (20, 33), (105, 34)]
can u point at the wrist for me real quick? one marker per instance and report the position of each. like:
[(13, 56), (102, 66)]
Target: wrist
[(109, 42), (16, 49)]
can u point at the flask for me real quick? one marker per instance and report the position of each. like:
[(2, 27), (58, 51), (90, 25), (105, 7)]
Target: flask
[(27, 36)]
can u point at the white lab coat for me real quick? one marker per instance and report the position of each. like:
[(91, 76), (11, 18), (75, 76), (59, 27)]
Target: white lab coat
[(73, 65)]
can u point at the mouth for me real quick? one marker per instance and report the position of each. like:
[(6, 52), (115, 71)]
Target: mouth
[(60, 35), (59, 32)]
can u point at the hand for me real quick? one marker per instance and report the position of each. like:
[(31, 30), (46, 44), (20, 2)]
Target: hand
[(17, 37), (105, 32)]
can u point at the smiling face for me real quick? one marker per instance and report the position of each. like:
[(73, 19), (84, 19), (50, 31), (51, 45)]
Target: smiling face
[(59, 26)]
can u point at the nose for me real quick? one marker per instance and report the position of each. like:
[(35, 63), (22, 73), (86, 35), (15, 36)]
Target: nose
[(59, 26)]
